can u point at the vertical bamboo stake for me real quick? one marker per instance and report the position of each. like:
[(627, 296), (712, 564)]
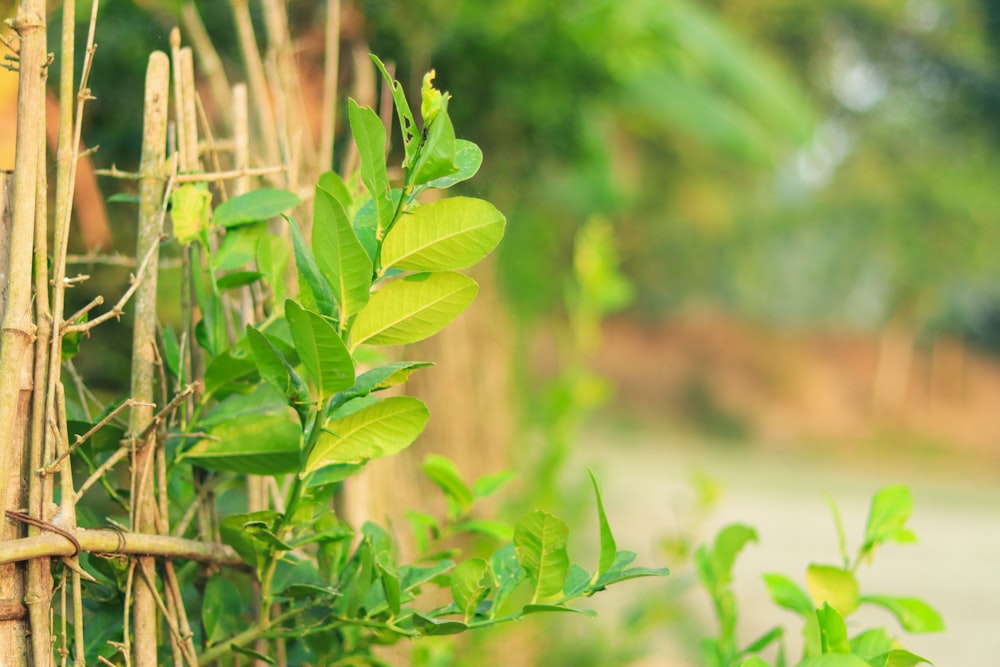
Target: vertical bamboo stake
[(256, 81), (151, 185), (18, 329), (208, 59), (13, 629), (331, 74)]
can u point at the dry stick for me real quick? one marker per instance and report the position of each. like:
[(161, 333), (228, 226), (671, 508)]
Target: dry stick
[(211, 147), (67, 513), (198, 178), (256, 81), (174, 590), (151, 189), (52, 466), (208, 59), (150, 578), (204, 492), (331, 73), (57, 542)]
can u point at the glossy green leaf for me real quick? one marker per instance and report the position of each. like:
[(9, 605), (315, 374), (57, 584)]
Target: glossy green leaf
[(378, 379), (275, 369), (913, 614), (413, 308), (786, 593), (220, 609), (377, 430), (468, 159), (832, 630), (238, 247), (444, 235), (833, 660), (608, 547), (437, 627), (890, 509), (540, 541), (620, 571), (445, 474), (500, 531), (369, 136), (332, 183), (315, 292), (898, 658), (233, 370), (257, 434), (578, 582), (471, 582), (339, 255), (412, 576), (321, 350), (834, 586), (254, 206)]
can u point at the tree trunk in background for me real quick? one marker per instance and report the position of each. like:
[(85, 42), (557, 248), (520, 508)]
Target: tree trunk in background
[(470, 397)]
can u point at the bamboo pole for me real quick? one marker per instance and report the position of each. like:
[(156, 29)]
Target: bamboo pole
[(151, 186), (257, 82), (331, 74)]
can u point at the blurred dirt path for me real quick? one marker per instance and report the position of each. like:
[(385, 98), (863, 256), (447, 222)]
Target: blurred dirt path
[(956, 566)]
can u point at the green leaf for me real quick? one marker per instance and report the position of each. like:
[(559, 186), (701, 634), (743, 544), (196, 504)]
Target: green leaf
[(890, 509), (233, 370), (413, 576), (321, 350), (339, 255), (834, 586), (898, 658), (487, 485), (437, 627), (508, 574), (754, 661), (445, 474), (578, 582), (444, 235), (471, 582), (239, 246), (407, 125), (369, 135), (834, 660), (608, 547), (220, 609), (728, 544), (256, 434), (390, 581), (378, 430), (786, 593), (437, 155), (238, 279), (765, 640), (315, 292), (254, 206), (277, 372), (272, 258), (468, 159), (378, 379), (333, 184), (871, 643), (913, 614), (250, 653), (413, 308), (123, 198), (540, 540), (235, 531), (547, 608), (620, 571), (832, 630), (498, 530)]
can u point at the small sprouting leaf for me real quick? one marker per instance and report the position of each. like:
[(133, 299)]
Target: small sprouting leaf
[(190, 209), (833, 586), (407, 125), (321, 350), (913, 614), (620, 571), (432, 101), (786, 593), (468, 159), (413, 308), (471, 582), (220, 609), (315, 292), (608, 547), (728, 544), (487, 485), (890, 509), (369, 135), (339, 255), (765, 640), (540, 540), (445, 235), (254, 206), (377, 430), (832, 630), (445, 474), (437, 157)]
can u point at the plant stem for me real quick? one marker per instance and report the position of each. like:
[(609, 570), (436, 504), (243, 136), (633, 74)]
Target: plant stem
[(249, 635)]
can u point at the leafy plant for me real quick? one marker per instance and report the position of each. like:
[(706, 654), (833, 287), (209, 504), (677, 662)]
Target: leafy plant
[(832, 593)]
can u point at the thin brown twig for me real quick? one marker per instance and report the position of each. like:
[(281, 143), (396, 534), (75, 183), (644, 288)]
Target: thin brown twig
[(50, 468), (119, 307), (45, 525), (171, 624)]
